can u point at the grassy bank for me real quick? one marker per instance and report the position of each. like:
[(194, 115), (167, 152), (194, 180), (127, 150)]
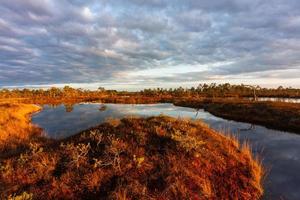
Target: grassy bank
[(135, 158), (15, 121), (276, 115)]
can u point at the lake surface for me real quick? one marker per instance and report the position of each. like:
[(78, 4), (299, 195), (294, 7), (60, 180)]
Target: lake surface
[(279, 150)]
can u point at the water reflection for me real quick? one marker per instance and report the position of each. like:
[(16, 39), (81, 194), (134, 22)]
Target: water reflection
[(103, 107), (69, 107), (280, 150)]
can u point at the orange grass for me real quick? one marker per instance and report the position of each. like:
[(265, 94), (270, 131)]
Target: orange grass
[(15, 121), (136, 158)]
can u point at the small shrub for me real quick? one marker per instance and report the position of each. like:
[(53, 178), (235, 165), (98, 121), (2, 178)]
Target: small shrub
[(23, 196)]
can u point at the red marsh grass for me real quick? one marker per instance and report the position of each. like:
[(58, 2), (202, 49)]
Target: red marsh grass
[(135, 158)]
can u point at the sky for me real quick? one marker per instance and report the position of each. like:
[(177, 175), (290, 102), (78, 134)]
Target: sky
[(136, 44)]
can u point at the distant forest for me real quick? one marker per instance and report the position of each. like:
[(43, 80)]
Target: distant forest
[(203, 90)]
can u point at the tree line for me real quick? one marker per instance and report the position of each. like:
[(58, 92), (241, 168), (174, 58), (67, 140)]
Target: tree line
[(202, 90), (225, 90)]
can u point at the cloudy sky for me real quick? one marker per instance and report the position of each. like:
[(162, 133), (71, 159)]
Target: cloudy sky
[(133, 44)]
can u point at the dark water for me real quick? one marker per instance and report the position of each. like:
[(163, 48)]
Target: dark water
[(280, 150)]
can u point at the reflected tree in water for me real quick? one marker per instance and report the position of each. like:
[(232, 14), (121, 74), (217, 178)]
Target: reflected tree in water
[(69, 107)]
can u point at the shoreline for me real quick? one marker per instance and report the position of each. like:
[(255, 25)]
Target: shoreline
[(274, 115), (283, 116), (16, 120)]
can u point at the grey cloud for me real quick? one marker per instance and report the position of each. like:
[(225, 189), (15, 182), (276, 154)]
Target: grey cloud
[(64, 41), (194, 21)]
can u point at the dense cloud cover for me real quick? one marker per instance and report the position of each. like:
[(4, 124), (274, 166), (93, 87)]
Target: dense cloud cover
[(149, 42)]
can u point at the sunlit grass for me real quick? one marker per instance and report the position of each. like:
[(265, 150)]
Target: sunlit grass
[(14, 120), (153, 158)]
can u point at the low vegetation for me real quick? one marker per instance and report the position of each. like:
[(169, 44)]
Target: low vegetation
[(134, 158), (14, 121), (276, 115)]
